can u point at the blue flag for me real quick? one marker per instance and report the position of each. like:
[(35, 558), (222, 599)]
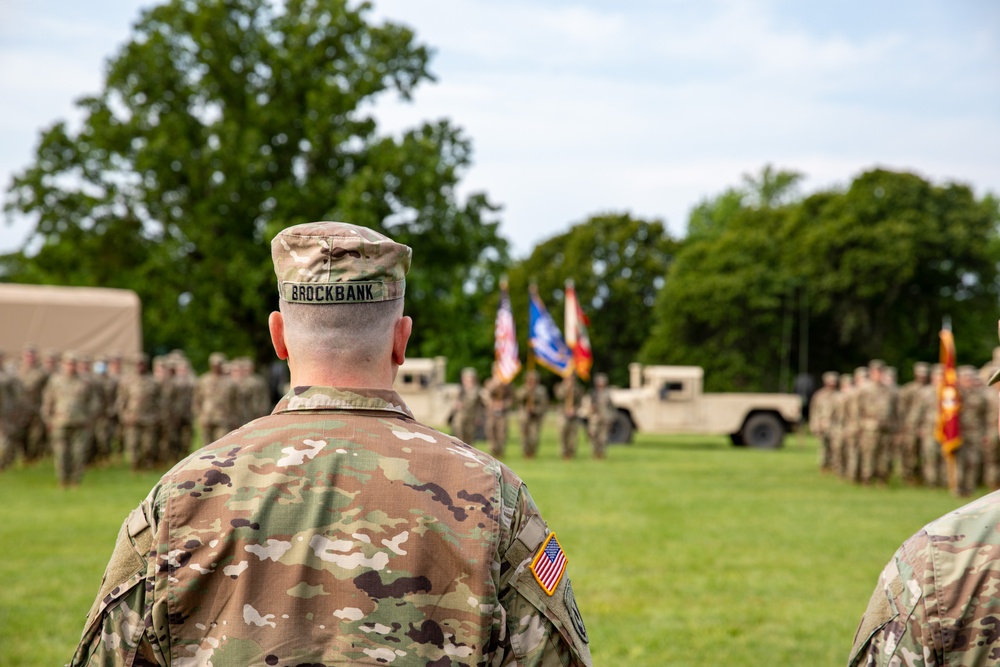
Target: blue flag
[(547, 341)]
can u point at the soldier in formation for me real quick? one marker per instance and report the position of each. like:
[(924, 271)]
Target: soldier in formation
[(147, 418), (601, 414), (569, 392), (532, 400), (216, 405), (469, 407), (498, 396), (873, 427), (820, 409)]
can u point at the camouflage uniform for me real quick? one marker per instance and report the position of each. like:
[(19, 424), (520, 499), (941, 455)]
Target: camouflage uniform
[(31, 432), (601, 414), (216, 405), (532, 400), (932, 462), (68, 407), (337, 530), (852, 426), (907, 441), (991, 443), (468, 407), (140, 410), (972, 422), (10, 397), (498, 397), (252, 392), (838, 428), (184, 386), (570, 394), (820, 410), (935, 602)]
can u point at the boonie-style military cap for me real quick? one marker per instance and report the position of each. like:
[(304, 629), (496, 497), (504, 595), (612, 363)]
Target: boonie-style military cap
[(327, 263)]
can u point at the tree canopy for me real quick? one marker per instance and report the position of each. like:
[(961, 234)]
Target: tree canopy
[(220, 123), (830, 281), (617, 263)]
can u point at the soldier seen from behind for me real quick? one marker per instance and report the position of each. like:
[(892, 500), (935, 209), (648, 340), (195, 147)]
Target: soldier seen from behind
[(532, 400), (601, 414), (337, 530), (68, 409)]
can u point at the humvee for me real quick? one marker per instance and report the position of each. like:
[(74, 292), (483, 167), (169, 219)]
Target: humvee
[(420, 383), (669, 399)]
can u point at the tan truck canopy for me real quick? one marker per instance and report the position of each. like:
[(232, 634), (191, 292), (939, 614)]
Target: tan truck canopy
[(88, 320)]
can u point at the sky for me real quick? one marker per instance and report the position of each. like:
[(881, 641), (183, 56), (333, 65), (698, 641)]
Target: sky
[(577, 107)]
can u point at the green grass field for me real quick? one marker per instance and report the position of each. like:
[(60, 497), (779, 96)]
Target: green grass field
[(683, 550)]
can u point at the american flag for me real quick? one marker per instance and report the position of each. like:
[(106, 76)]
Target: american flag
[(505, 342), (549, 564)]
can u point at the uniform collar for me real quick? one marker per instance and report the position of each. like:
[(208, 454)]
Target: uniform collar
[(301, 399)]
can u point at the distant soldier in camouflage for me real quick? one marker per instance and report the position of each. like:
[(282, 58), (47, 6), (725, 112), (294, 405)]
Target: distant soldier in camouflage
[(991, 442), (251, 390), (113, 427), (934, 601), (337, 530), (875, 413), (932, 462), (838, 427), (216, 404), (498, 397), (68, 407), (972, 424), (10, 398), (601, 415), (532, 401), (469, 407), (184, 386), (31, 439), (166, 446), (140, 411), (820, 411), (852, 425), (85, 371), (569, 392), (907, 445)]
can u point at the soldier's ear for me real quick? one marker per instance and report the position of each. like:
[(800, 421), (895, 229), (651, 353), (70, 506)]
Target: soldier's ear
[(400, 337), (276, 325)]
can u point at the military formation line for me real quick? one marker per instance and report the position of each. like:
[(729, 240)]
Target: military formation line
[(870, 427), (83, 411)]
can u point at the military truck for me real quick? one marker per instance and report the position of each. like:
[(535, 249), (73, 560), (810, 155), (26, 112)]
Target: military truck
[(670, 399), (420, 383)]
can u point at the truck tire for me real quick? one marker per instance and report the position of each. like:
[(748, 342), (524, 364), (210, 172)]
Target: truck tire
[(621, 429), (763, 431)]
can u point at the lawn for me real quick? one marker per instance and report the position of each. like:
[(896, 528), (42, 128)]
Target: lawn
[(683, 550)]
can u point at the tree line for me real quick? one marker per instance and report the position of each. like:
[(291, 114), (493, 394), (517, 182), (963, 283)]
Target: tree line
[(222, 122)]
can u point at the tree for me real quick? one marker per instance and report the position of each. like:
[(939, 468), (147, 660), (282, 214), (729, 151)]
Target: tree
[(223, 121), (617, 263), (868, 272)]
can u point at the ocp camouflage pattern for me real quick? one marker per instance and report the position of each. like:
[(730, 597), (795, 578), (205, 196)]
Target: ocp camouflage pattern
[(937, 602), (335, 531)]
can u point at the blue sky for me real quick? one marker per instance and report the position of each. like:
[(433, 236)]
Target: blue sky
[(577, 108)]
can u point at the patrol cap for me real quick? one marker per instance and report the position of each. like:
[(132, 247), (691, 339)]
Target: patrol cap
[(140, 358), (326, 263), (921, 368), (876, 364), (216, 359), (70, 357), (830, 375)]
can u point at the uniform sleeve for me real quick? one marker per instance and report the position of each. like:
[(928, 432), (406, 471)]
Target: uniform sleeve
[(896, 628), (544, 625), (118, 630)]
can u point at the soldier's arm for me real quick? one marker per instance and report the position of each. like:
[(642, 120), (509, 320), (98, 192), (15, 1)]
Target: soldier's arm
[(118, 629), (542, 627), (895, 628)]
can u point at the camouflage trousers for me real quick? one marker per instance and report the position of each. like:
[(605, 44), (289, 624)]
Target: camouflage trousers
[(991, 461), (825, 451), (35, 443), (496, 431), (932, 461), (871, 453), (852, 456), (7, 451), (907, 452), (69, 447), (567, 436), (838, 464), (597, 430), (141, 445), (465, 428), (531, 429), (969, 459)]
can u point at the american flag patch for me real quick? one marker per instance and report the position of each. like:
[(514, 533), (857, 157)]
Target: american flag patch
[(549, 564)]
